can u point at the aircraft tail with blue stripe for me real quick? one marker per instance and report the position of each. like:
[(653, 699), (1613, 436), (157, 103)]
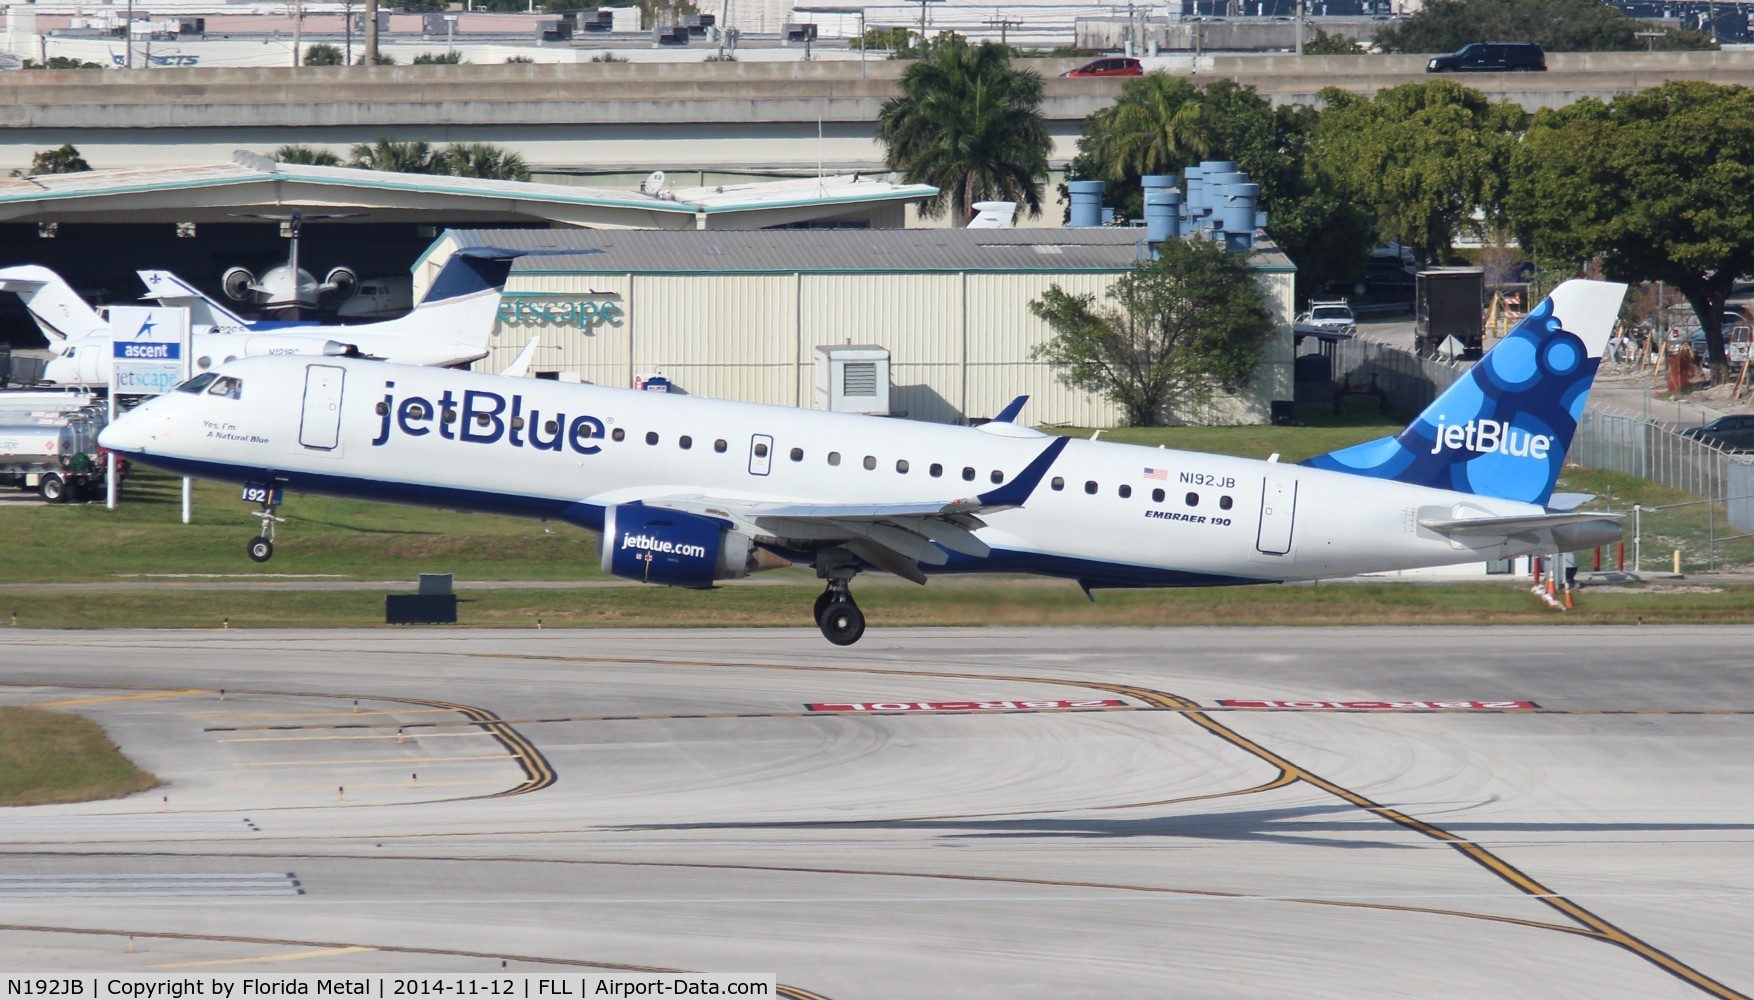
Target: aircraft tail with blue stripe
[(1503, 428)]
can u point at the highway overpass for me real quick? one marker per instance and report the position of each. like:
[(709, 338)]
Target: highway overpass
[(605, 119)]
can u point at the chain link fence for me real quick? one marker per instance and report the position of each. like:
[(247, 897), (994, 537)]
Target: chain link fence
[(1401, 378)]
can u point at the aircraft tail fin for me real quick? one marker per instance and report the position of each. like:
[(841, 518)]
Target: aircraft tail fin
[(169, 290), (58, 310), (1503, 428)]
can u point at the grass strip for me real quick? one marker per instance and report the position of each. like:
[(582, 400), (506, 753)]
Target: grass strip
[(1000, 602), (58, 757)]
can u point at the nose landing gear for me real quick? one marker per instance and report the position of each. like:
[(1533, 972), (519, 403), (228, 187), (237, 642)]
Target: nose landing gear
[(261, 547)]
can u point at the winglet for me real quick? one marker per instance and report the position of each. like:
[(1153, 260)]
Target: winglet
[(1009, 414), (1015, 492), (520, 366)]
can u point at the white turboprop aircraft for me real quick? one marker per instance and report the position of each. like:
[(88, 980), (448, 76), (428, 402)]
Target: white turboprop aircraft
[(451, 326), (687, 491)]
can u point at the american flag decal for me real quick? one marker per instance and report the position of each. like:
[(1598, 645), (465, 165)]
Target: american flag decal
[(1157, 474)]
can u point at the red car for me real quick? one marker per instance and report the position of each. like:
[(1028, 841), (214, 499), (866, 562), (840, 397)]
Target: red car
[(1108, 67)]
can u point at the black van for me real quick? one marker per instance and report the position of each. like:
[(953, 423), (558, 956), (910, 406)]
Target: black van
[(1491, 57)]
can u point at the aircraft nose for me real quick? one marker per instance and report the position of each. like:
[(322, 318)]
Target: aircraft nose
[(127, 435)]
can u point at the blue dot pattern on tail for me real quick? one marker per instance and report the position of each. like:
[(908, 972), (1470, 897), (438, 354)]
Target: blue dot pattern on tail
[(1501, 430)]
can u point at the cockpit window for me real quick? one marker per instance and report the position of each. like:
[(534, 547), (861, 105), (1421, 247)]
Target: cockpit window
[(228, 387), (197, 383)]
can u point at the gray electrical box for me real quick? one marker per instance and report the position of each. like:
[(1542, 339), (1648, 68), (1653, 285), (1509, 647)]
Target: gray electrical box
[(853, 378)]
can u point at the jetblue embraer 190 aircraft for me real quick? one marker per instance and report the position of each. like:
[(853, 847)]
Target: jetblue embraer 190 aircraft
[(687, 491)]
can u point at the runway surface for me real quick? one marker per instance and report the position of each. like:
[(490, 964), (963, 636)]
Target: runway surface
[(445, 800)]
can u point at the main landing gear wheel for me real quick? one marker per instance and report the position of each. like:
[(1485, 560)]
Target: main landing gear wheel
[(841, 621), (261, 549), (822, 602)]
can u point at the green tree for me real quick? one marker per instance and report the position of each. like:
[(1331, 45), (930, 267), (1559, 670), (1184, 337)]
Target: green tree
[(1421, 157), (1659, 185), (519, 59), (414, 157), (1324, 44), (1556, 25), (381, 59), (890, 39), (1180, 328), (484, 160), (429, 59), (969, 123), (65, 160), (323, 54), (62, 62), (305, 155)]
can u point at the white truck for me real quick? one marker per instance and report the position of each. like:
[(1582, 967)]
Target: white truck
[(48, 443), (1332, 317)]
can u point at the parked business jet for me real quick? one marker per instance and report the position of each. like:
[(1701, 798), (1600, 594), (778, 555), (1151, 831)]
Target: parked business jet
[(452, 325), (287, 288), (688, 491)]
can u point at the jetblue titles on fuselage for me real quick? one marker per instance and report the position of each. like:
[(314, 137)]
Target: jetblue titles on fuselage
[(485, 417)]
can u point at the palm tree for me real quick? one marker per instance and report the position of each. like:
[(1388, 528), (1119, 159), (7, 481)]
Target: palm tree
[(305, 155), (480, 159), (970, 124), (415, 157), (1156, 126)]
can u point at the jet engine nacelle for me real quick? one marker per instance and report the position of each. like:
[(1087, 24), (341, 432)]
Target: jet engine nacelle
[(341, 282), (236, 282), (672, 548)]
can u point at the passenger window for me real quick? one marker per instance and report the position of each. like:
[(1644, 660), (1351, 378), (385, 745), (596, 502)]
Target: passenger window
[(1090, 487), (834, 458), (449, 416), (870, 462), (997, 476), (968, 473), (1193, 499), (935, 471), (1223, 503), (382, 408), (901, 466), (718, 446), (685, 442), (651, 437), (518, 425), (228, 387), (1058, 483), (1126, 491), (1156, 496), (760, 449), (617, 434), (797, 454), (482, 420)]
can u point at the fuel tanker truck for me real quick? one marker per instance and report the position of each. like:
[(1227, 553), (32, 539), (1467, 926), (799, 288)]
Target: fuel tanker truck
[(48, 443)]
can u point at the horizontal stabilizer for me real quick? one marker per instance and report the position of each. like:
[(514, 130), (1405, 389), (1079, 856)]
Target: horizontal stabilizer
[(1508, 525)]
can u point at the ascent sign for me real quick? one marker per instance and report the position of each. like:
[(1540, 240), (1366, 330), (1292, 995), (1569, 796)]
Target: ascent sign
[(151, 349)]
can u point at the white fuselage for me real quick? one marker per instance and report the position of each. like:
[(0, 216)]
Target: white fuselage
[(1111, 514)]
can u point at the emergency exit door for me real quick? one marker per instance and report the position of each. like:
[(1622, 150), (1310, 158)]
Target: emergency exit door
[(1278, 510), (320, 426), (760, 454)]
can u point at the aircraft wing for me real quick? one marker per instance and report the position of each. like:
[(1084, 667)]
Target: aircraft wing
[(895, 537)]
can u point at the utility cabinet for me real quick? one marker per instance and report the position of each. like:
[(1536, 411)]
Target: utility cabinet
[(853, 378)]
